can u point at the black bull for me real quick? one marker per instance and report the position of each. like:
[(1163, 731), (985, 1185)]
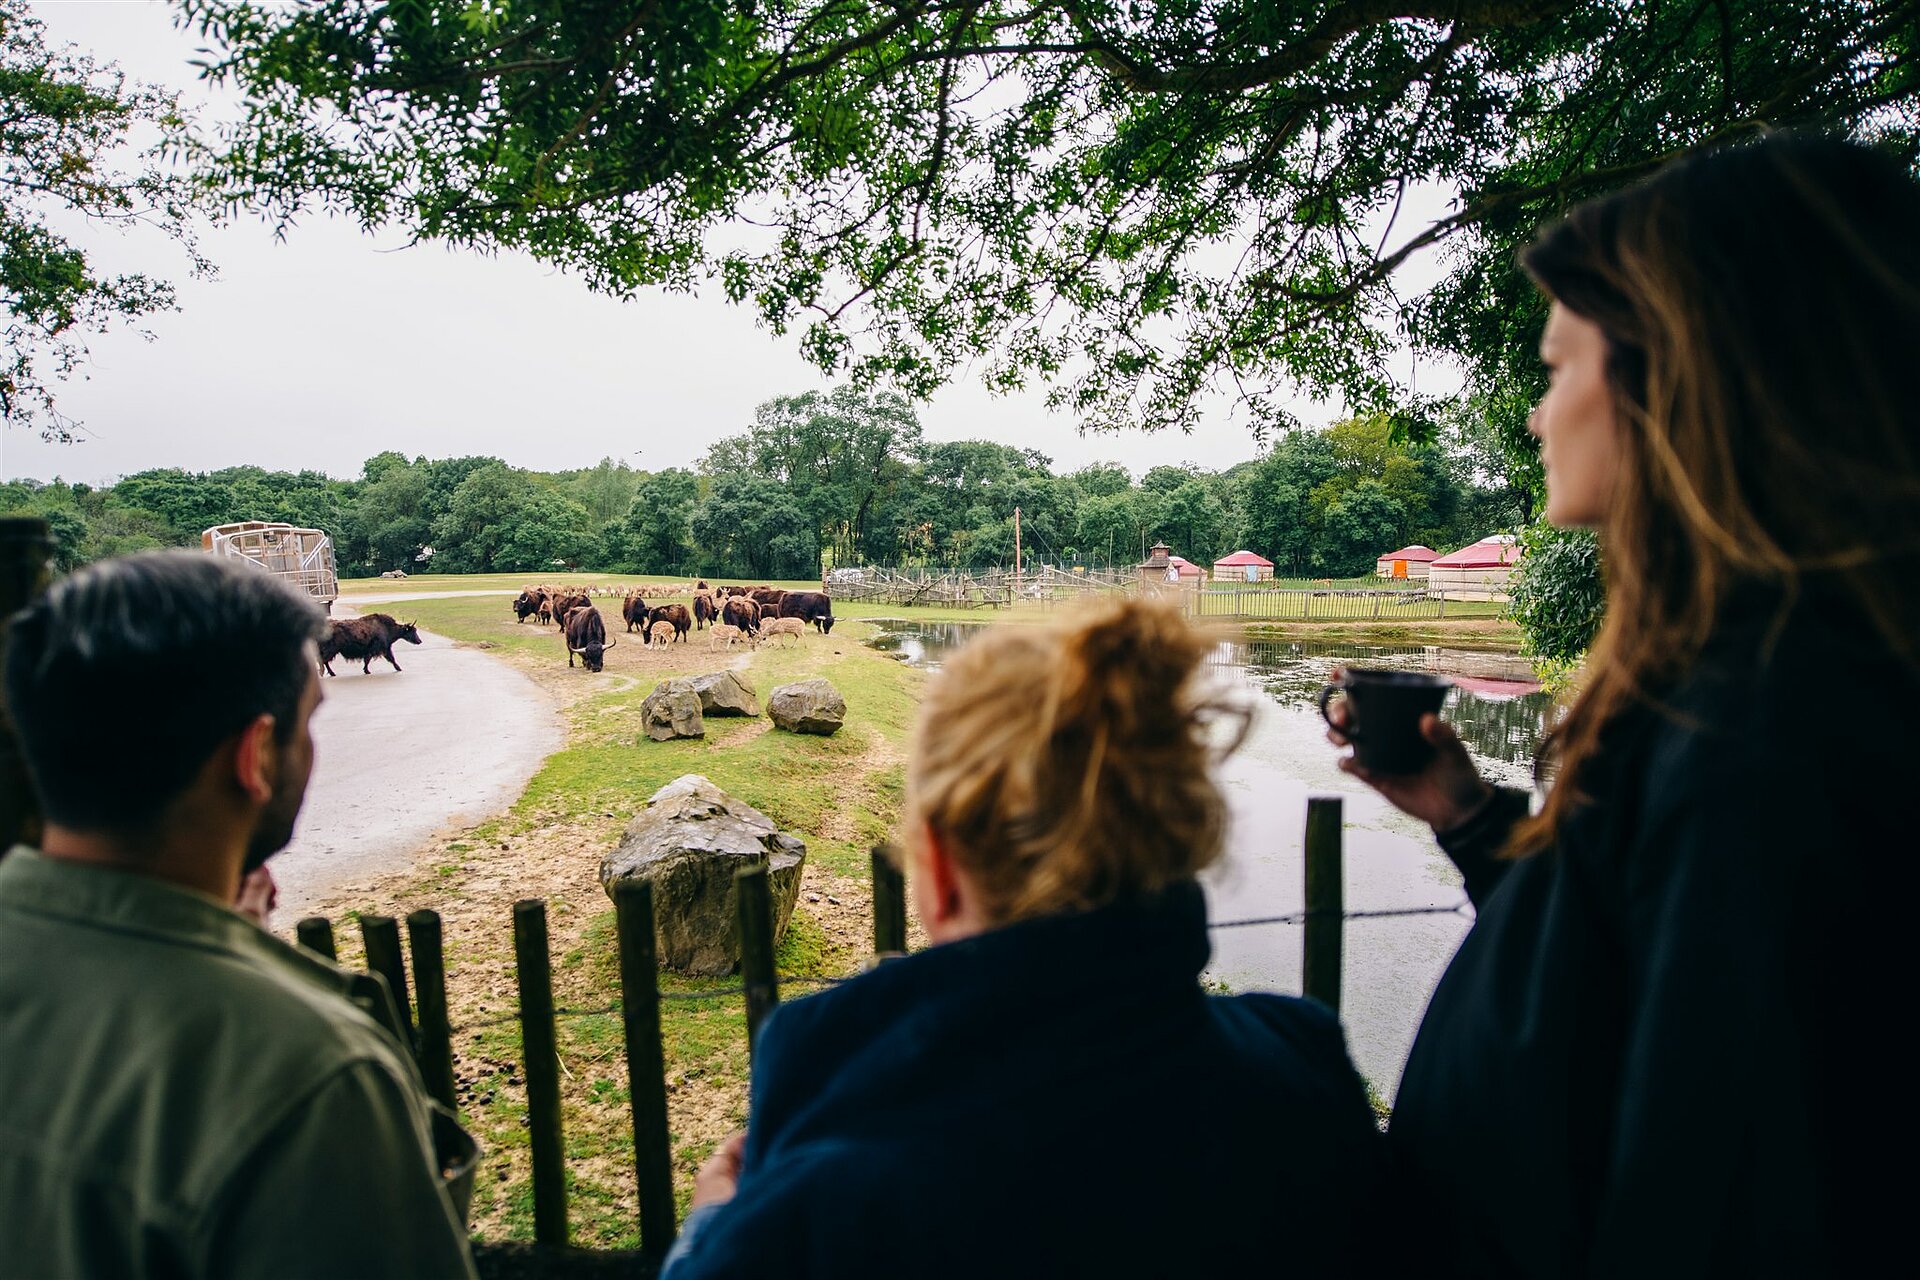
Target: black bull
[(808, 606), (586, 635), (366, 639)]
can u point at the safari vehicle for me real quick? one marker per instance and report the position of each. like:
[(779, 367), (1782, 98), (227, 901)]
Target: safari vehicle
[(304, 557)]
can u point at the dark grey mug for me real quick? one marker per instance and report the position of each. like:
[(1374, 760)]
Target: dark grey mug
[(1383, 715)]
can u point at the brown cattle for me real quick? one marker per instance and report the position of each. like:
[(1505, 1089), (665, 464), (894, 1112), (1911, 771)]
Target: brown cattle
[(741, 612), (809, 606), (364, 638), (674, 613), (634, 610)]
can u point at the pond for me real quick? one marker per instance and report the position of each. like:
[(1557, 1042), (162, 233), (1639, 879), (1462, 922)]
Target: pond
[(1389, 966)]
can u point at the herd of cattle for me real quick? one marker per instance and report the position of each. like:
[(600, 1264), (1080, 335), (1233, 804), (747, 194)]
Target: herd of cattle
[(732, 614)]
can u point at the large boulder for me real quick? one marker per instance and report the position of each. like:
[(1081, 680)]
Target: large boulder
[(808, 706), (671, 711), (688, 841), (724, 693)]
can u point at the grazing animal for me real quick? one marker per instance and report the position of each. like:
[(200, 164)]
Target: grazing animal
[(586, 636), (661, 632), (704, 609), (809, 606), (546, 607), (364, 638), (566, 601), (768, 598), (676, 614), (525, 605), (634, 610), (738, 611), (723, 636), (783, 627)]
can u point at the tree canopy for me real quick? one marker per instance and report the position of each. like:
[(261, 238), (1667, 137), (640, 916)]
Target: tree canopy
[(1131, 202), (81, 148)]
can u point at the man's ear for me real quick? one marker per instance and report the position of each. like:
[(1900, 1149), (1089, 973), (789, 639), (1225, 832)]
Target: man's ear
[(256, 759)]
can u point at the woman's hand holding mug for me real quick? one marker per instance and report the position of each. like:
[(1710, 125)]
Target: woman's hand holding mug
[(1443, 792)]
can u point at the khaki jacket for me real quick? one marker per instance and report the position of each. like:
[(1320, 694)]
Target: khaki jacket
[(183, 1095)]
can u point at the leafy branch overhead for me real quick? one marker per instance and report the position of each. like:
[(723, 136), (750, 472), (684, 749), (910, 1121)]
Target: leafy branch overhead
[(80, 146), (1134, 203)]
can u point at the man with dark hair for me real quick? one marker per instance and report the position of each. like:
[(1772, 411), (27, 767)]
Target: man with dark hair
[(181, 1093)]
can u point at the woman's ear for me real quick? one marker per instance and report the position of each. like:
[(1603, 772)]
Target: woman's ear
[(942, 896)]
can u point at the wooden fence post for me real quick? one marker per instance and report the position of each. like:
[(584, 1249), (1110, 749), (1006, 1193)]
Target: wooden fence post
[(382, 937), (646, 1066), (889, 904), (1320, 939), (755, 905), (540, 1063), (315, 933), (430, 989), (26, 545)]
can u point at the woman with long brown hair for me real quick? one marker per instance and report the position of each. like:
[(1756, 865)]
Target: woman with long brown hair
[(1656, 1052)]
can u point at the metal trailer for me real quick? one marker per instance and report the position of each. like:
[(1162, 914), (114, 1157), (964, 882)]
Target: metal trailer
[(303, 557)]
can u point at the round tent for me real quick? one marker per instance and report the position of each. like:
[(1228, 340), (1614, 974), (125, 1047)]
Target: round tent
[(1243, 566), (1477, 572), (1407, 562)]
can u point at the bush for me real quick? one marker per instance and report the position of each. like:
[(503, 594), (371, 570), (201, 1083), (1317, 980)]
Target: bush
[(1556, 595)]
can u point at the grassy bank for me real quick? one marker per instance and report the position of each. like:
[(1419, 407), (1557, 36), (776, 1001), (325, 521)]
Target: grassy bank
[(841, 795)]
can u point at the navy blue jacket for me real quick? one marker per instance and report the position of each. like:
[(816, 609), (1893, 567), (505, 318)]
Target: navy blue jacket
[(1665, 1047), (1054, 1098)]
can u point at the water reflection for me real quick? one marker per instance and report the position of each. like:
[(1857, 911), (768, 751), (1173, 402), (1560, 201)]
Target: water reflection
[(1500, 720)]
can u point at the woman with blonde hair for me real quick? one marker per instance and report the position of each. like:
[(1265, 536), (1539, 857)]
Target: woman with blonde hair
[(1047, 1090), (1656, 1052)]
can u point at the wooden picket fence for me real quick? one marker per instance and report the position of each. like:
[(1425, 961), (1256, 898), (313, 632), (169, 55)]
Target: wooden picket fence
[(423, 1022)]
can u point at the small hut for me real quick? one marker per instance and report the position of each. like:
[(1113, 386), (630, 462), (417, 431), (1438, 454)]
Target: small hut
[(1477, 572), (1185, 572), (1407, 562), (303, 557), (1153, 570), (1243, 566)]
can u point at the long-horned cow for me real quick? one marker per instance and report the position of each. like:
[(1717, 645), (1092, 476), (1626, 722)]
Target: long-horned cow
[(634, 610), (586, 636), (809, 606), (365, 638), (526, 605), (705, 612)]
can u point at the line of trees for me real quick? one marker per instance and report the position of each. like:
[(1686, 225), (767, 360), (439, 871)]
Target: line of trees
[(830, 478)]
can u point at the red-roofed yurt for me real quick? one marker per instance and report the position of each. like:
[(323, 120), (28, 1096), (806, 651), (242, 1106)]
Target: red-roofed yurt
[(1407, 562), (1243, 566), (1478, 572)]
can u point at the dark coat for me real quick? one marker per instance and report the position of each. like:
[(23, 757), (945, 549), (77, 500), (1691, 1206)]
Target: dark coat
[(1050, 1099), (1659, 1050), (809, 606)]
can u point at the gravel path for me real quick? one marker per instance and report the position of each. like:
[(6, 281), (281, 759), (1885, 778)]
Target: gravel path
[(401, 755)]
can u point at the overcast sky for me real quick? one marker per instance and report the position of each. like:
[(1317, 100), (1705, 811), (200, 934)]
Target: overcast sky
[(325, 348)]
